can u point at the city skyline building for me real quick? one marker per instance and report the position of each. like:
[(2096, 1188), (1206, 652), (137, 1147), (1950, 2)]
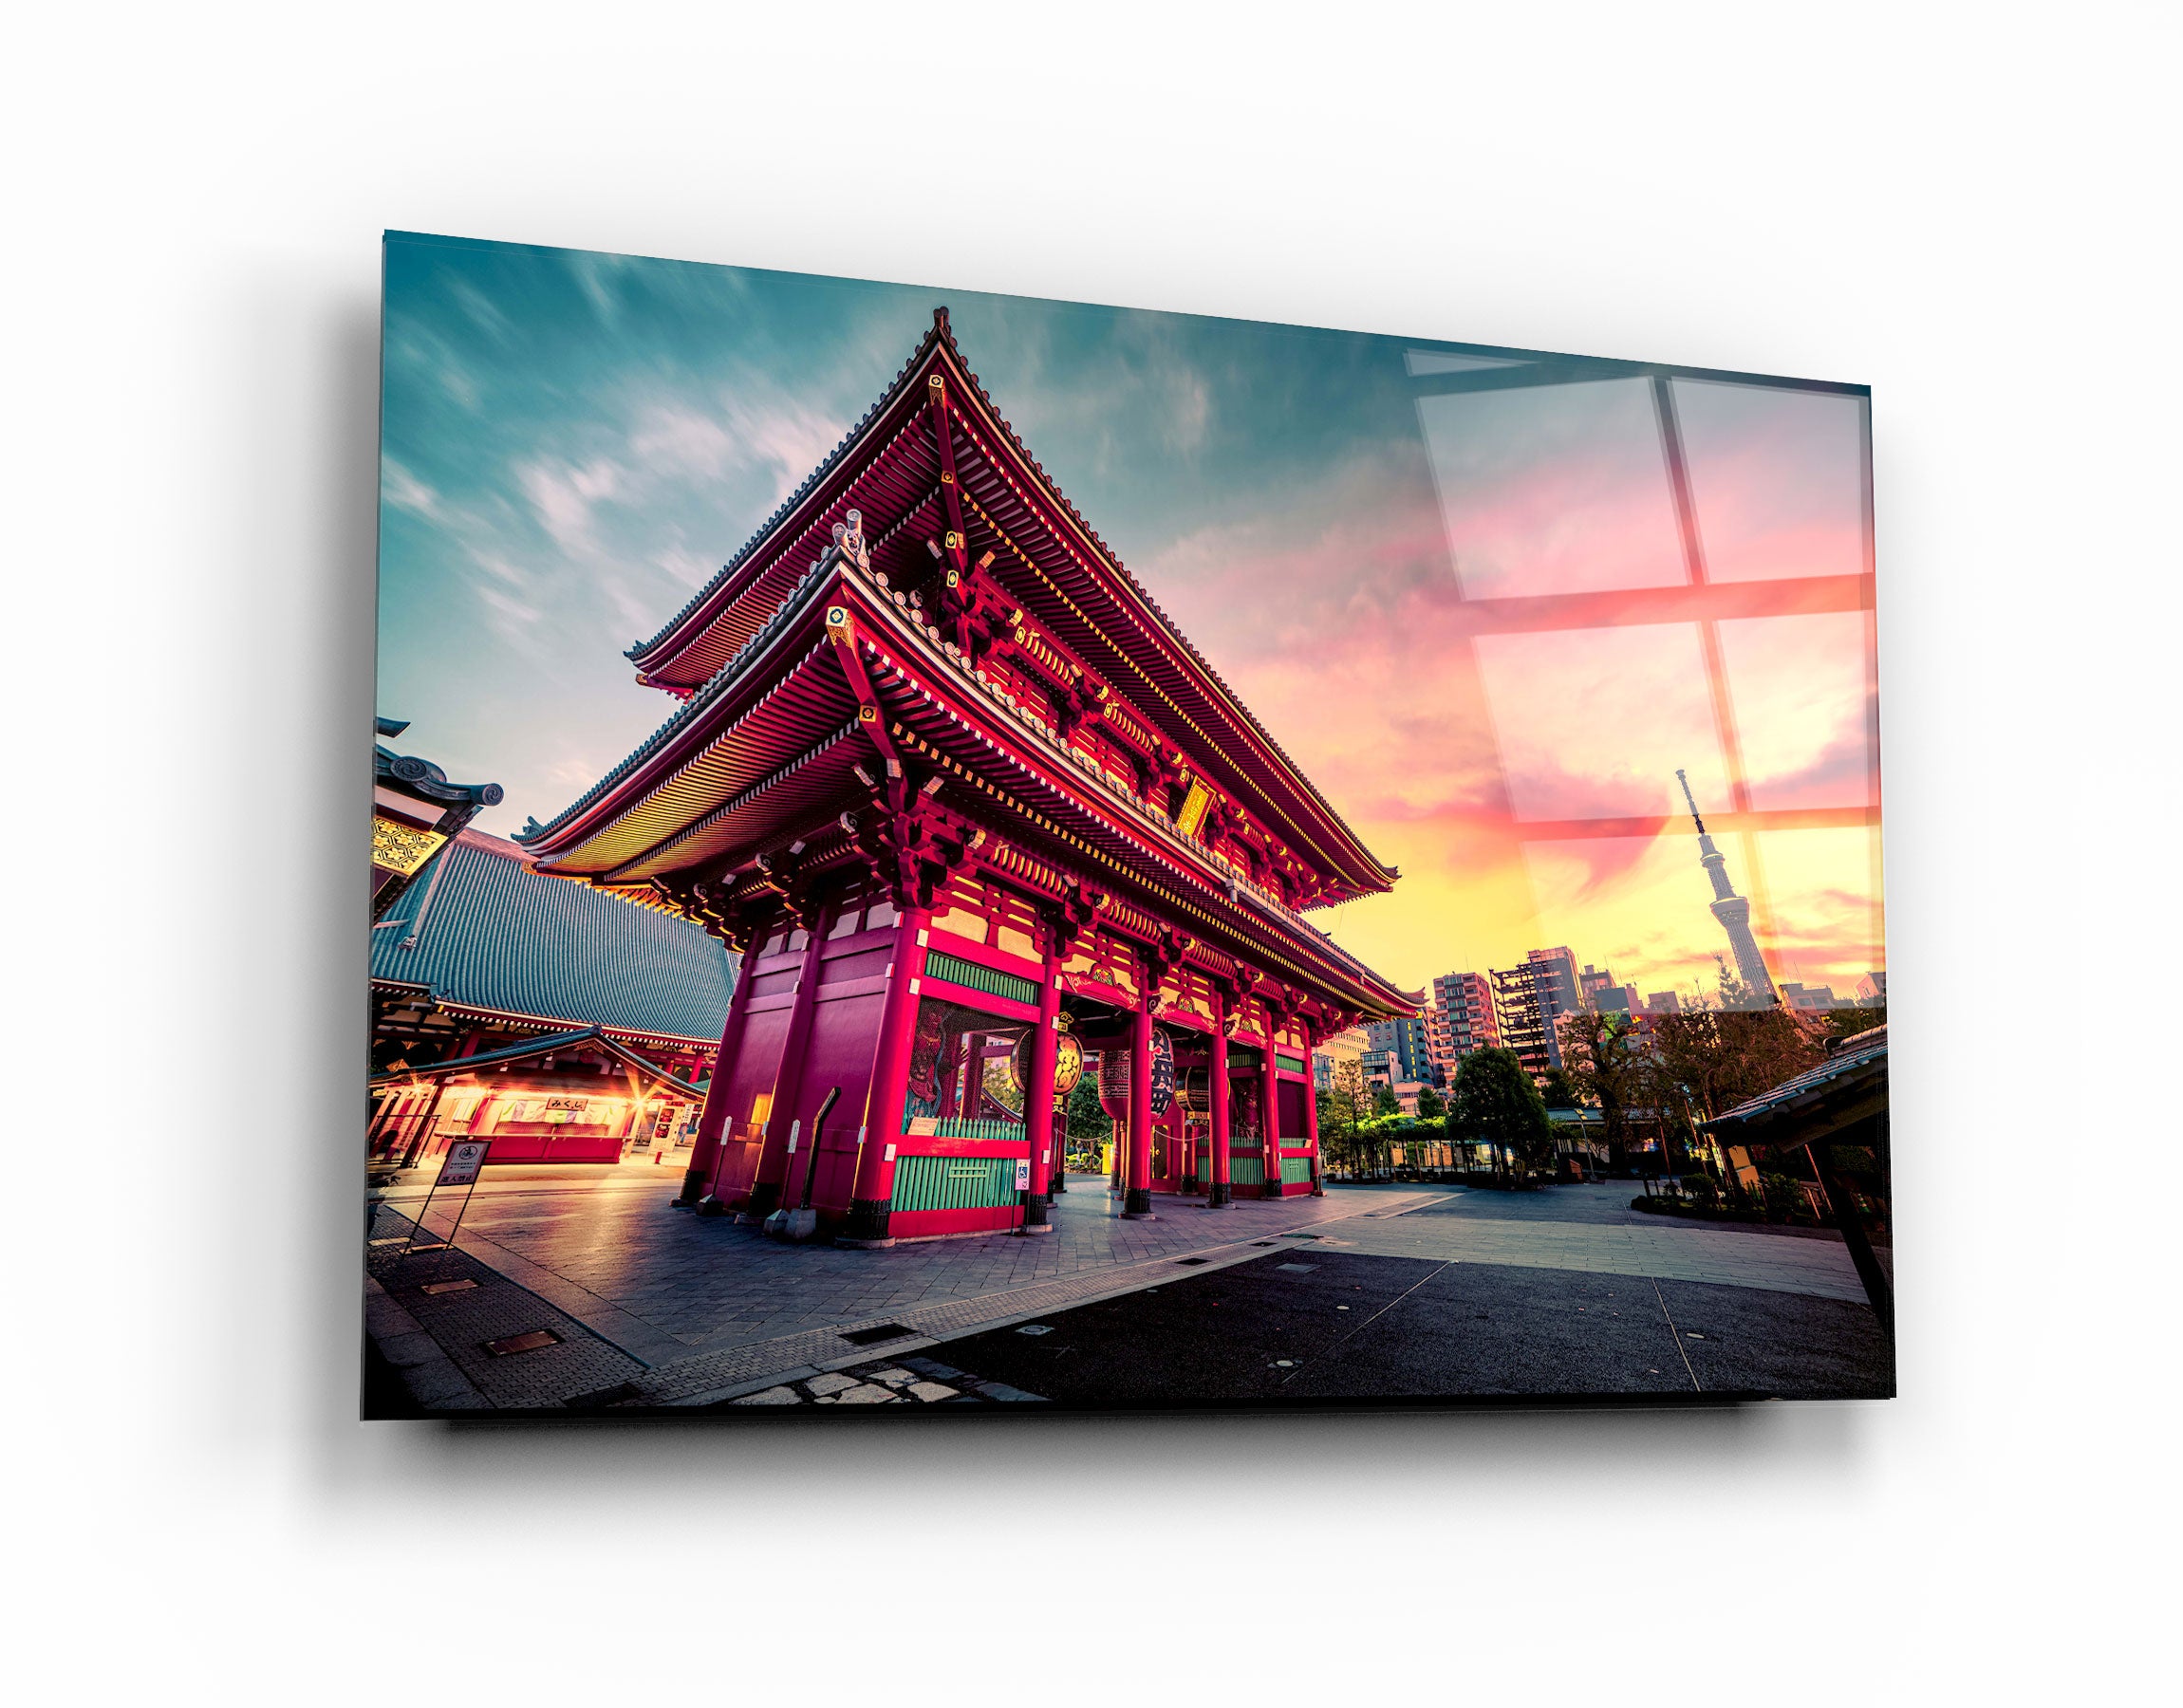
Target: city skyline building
[(1733, 911), (1347, 1046), (1602, 993), (1404, 1039), (1529, 999), (1459, 1021)]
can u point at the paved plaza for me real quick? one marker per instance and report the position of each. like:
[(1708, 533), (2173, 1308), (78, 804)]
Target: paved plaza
[(591, 1291)]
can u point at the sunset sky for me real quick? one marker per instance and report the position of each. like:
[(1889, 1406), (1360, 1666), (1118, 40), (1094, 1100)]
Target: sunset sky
[(573, 443)]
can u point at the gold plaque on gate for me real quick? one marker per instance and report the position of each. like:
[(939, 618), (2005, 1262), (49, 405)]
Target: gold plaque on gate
[(400, 851), (1193, 813)]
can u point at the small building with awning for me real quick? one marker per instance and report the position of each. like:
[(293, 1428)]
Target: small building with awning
[(1838, 1114), (558, 987), (568, 1097)]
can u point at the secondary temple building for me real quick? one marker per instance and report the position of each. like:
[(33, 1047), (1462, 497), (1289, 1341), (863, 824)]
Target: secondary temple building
[(972, 811)]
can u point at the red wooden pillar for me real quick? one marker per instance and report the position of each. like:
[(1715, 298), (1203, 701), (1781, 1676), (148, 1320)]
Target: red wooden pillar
[(706, 1150), (872, 1198), (1312, 1116), (423, 1129), (381, 1120), (1137, 1197), (782, 1127), (1038, 1103), (1270, 1120), (1222, 1193)]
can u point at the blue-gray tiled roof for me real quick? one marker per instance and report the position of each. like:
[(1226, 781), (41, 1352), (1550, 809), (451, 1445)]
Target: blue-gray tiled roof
[(1858, 1063), (498, 935)]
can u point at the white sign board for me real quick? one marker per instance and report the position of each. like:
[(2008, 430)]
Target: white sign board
[(462, 1163), (1023, 1173)]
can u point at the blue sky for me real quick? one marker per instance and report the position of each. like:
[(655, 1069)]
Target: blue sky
[(575, 442)]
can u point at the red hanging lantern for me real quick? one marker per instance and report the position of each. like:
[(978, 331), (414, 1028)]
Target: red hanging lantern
[(1067, 1061), (1114, 1078)]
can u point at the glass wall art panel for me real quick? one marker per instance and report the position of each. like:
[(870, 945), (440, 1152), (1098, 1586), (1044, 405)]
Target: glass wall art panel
[(935, 850)]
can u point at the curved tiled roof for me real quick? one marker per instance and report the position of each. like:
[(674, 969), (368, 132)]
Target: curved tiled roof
[(942, 335), (1112, 561), (499, 935), (1858, 1063)]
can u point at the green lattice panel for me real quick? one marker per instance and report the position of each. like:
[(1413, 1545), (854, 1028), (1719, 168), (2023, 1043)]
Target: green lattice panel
[(1246, 1171), (1294, 1169), (1001, 1132), (975, 977), (954, 1182)]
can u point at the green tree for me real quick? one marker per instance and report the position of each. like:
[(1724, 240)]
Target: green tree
[(1384, 1101), (1089, 1123), (1493, 1102), (1559, 1091), (1701, 1064), (1430, 1105), (1342, 1110), (1605, 1056)]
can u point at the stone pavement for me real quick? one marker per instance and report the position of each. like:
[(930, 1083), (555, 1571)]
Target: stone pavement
[(702, 1311), (463, 1338), (883, 1382), (651, 1307), (1591, 1229)]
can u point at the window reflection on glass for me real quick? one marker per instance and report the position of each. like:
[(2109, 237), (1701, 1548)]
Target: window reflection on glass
[(1592, 723), (1554, 489), (1778, 476), (1803, 691)]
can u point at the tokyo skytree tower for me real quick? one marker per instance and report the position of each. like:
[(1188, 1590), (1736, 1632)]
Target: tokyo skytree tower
[(1732, 910)]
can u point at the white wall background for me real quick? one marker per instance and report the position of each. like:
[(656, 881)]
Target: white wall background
[(1972, 208)]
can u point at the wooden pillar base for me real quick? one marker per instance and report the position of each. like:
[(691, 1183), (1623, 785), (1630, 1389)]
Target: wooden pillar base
[(693, 1188), (1137, 1205), (867, 1223), (1221, 1197)]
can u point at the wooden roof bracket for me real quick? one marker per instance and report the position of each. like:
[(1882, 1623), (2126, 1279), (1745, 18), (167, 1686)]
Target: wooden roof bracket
[(841, 631)]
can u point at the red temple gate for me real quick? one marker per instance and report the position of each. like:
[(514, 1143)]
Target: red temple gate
[(957, 791)]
